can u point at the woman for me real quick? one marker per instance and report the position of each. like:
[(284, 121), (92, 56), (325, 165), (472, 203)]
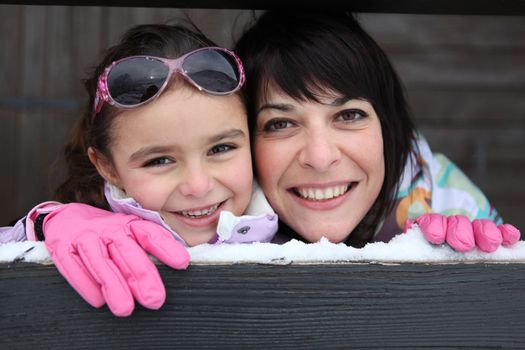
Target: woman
[(334, 146)]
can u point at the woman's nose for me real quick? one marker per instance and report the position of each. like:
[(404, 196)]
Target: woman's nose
[(197, 181), (320, 151)]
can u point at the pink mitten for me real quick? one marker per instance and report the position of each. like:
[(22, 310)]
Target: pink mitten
[(462, 234), (488, 237), (433, 226), (103, 255), (510, 234)]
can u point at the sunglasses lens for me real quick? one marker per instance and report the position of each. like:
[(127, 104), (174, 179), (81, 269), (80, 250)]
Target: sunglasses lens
[(136, 80), (214, 70)]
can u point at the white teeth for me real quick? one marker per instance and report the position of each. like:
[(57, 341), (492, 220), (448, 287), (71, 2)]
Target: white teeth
[(319, 194), (200, 213)]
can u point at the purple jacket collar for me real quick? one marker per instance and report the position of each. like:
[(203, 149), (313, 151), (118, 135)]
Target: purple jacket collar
[(258, 224)]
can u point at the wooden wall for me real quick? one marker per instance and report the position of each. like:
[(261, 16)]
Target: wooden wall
[(465, 77)]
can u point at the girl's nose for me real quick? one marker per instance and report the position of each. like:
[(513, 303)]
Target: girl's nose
[(197, 182), (320, 151)]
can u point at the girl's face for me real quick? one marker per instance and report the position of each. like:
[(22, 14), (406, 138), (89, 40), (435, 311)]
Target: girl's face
[(321, 166), (187, 156)]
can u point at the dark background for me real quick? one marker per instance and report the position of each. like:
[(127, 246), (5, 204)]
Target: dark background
[(464, 75)]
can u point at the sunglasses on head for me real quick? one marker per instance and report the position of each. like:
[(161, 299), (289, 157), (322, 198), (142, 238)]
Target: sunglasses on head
[(133, 81)]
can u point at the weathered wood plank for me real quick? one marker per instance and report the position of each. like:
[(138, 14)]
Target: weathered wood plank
[(59, 67), (86, 45), (8, 175), (503, 145), (10, 53), (261, 306), (212, 22), (9, 68), (33, 80), (487, 107), (453, 69), (405, 32), (483, 7)]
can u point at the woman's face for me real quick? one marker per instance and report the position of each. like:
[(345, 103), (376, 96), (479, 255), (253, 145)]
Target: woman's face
[(187, 156), (321, 166)]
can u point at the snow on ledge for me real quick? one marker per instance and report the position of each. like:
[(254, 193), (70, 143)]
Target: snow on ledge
[(407, 247)]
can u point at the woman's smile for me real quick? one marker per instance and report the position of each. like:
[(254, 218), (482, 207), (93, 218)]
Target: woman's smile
[(321, 193)]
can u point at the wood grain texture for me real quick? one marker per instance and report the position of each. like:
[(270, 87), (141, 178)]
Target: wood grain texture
[(484, 7), (278, 307)]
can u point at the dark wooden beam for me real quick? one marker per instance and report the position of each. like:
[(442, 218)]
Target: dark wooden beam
[(465, 7), (249, 306)]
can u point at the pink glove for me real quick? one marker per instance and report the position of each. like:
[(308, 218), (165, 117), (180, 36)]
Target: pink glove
[(462, 234), (103, 256)]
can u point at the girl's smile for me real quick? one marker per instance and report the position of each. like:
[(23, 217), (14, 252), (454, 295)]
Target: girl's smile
[(203, 217)]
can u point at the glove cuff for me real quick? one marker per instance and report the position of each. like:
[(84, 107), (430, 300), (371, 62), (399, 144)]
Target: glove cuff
[(32, 217), (39, 223)]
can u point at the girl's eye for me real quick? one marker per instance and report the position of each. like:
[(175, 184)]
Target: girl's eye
[(160, 161), (222, 148), (351, 115), (277, 124)]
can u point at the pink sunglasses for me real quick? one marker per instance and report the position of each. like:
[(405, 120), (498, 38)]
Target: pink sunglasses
[(133, 81)]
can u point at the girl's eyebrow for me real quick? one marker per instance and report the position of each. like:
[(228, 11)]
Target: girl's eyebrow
[(228, 134), (145, 151)]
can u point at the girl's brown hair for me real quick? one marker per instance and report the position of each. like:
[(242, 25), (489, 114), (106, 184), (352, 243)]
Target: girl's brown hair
[(83, 183)]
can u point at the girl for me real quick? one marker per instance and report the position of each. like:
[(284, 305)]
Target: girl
[(165, 143)]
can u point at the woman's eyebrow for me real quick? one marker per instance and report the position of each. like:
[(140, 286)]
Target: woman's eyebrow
[(284, 107), (279, 106), (339, 101)]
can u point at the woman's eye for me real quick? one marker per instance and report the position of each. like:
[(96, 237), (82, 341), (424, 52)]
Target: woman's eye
[(160, 161), (351, 115), (220, 149), (277, 124)]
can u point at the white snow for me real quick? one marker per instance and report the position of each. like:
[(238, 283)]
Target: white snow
[(407, 247)]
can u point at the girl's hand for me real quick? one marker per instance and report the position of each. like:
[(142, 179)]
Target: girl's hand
[(103, 255)]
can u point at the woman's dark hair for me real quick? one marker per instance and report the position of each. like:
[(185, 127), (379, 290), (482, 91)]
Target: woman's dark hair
[(307, 52), (83, 183)]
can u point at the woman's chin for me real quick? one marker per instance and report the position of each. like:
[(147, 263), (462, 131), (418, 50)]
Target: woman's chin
[(313, 233)]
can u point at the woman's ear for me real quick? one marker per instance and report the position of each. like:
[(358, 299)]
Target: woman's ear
[(104, 167)]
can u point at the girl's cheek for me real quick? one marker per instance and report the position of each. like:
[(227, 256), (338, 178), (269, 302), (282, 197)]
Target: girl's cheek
[(150, 196)]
